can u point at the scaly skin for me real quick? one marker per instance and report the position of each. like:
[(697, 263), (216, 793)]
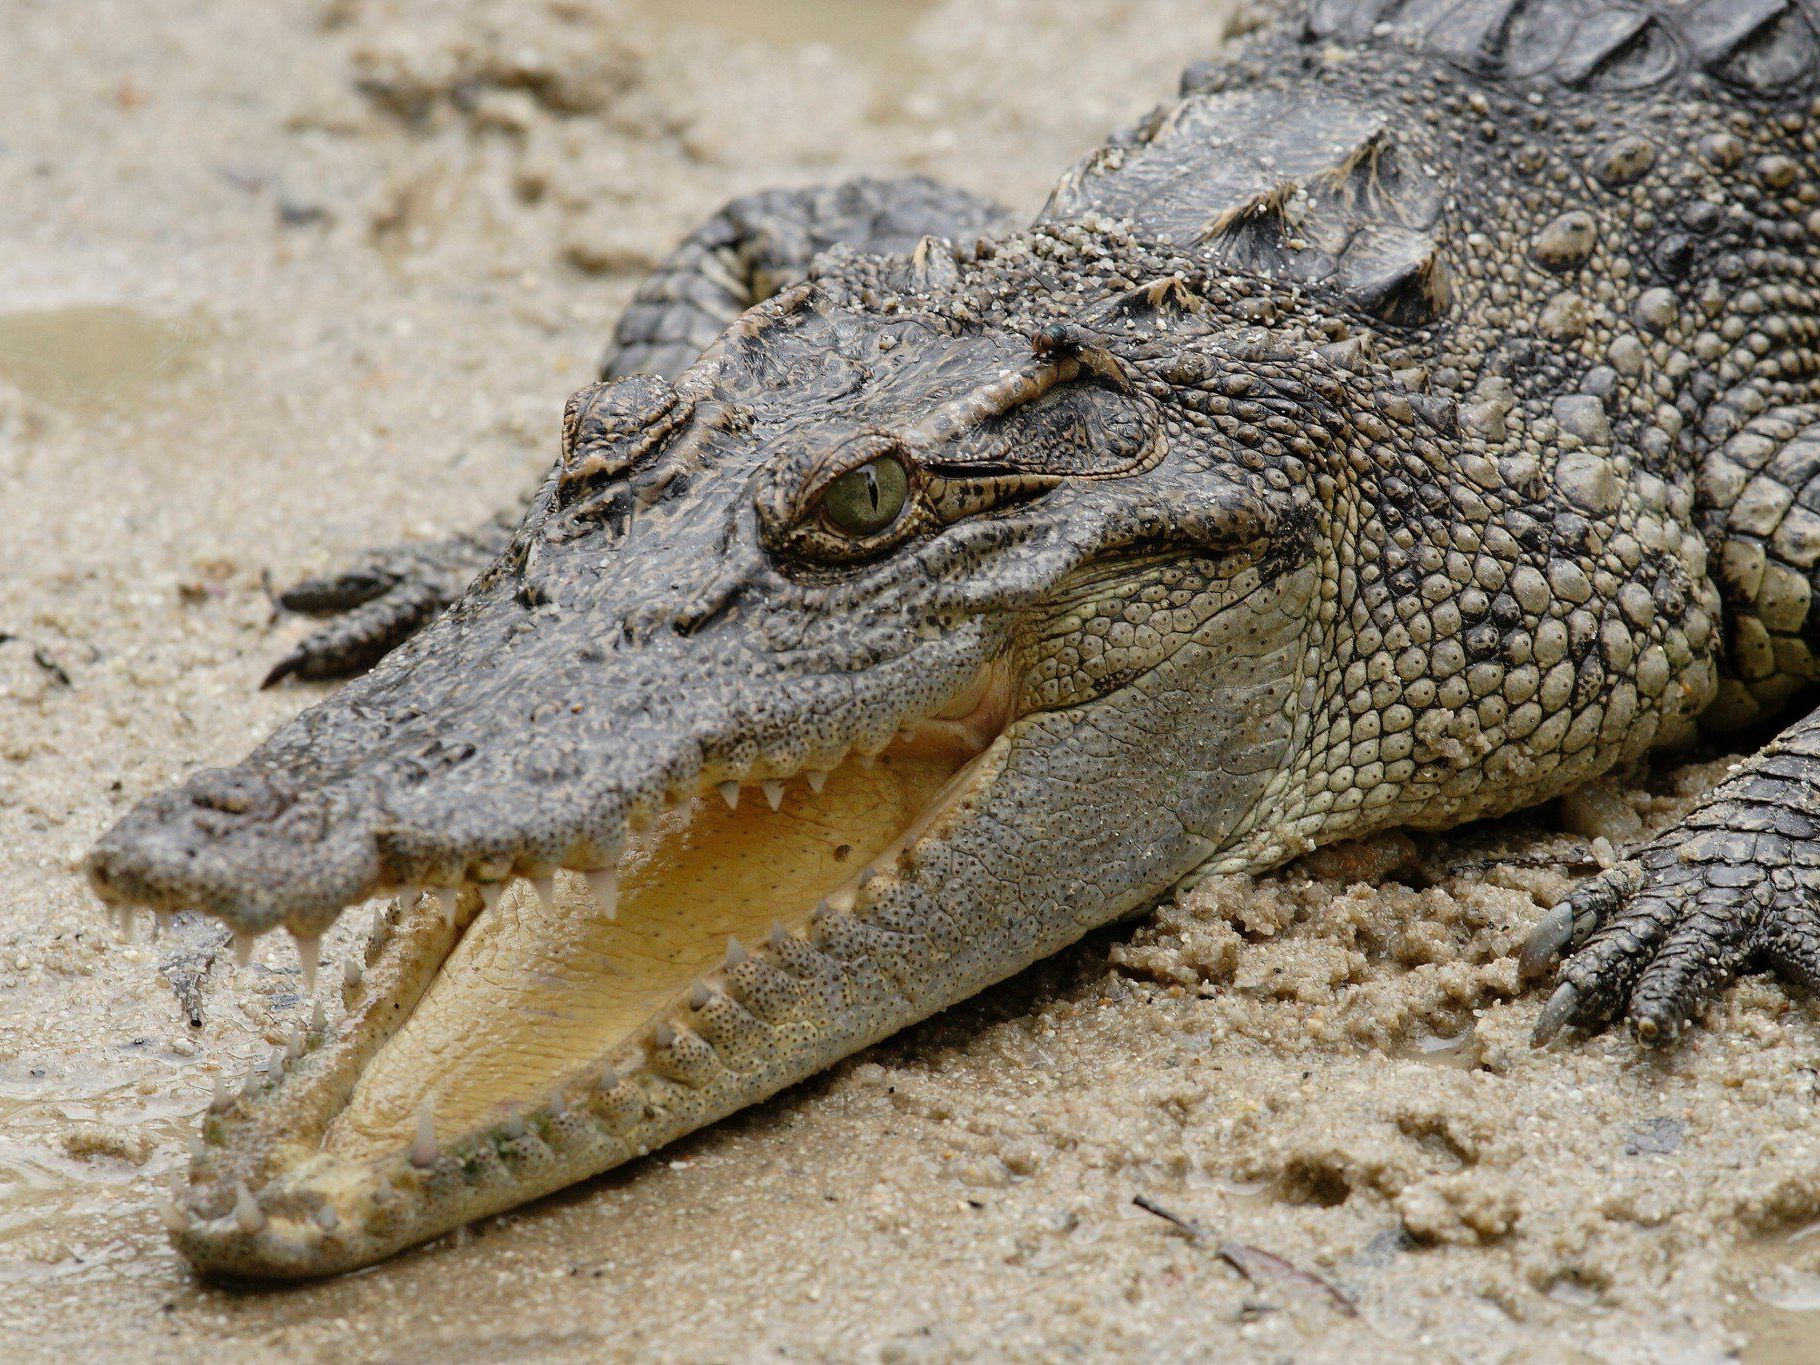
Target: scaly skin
[(1412, 422)]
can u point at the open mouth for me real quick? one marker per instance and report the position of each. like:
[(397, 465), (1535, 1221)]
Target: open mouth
[(495, 1046)]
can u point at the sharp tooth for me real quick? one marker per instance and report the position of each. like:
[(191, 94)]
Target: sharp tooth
[(243, 948), (558, 1106), (699, 995), (381, 925), (220, 1099), (197, 1149), (127, 923), (170, 1208), (408, 896), (545, 887), (319, 1018), (663, 1035), (448, 897), (779, 935), (309, 953), (248, 1216), (736, 952), (162, 921), (293, 1045), (350, 974), (817, 780), (514, 1125), (250, 1086), (841, 899), (609, 1078), (864, 759), (729, 792), (603, 883), (774, 792), (274, 1069), (490, 892), (423, 1146)]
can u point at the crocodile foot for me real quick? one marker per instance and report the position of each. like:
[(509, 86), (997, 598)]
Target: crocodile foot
[(380, 601), (1736, 885)]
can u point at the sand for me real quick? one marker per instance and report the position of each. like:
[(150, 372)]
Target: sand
[(285, 280)]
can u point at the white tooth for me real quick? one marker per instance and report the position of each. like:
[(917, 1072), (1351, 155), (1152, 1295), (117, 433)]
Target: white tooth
[(350, 974), (293, 1045), (170, 1208), (408, 896), (243, 948), (729, 792), (774, 792), (220, 1099), (864, 759), (843, 898), (514, 1125), (250, 1086), (663, 1035), (817, 780), (545, 887), (248, 1216), (162, 922), (609, 1078), (558, 1106), (381, 926), (779, 935), (448, 897), (274, 1069), (127, 923), (603, 884), (699, 995), (490, 892), (197, 1150), (736, 952), (319, 1018), (423, 1146), (309, 953)]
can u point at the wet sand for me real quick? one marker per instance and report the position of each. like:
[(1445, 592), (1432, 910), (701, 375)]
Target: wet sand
[(286, 280)]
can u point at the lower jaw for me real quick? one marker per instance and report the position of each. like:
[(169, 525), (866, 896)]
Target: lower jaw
[(530, 1045)]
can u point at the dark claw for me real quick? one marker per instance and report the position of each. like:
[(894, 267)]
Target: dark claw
[(1559, 1012), (1543, 947), (284, 668)]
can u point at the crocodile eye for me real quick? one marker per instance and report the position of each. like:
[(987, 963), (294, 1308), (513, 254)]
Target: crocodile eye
[(864, 501)]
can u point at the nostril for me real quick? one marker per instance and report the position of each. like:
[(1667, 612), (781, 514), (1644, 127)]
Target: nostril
[(228, 793)]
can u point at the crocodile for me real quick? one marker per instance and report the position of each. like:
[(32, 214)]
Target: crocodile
[(1415, 418)]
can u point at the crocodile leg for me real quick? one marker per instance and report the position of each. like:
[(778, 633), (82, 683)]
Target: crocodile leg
[(762, 243), (1737, 883), (740, 257)]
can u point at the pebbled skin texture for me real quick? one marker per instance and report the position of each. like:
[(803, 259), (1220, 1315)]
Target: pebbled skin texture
[(1413, 420)]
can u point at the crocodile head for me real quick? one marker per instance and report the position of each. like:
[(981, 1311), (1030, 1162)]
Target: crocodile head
[(946, 609)]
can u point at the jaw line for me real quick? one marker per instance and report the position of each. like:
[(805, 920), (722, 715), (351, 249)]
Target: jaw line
[(266, 1199)]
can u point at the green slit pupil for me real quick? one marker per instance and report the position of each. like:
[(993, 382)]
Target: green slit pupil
[(864, 501)]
